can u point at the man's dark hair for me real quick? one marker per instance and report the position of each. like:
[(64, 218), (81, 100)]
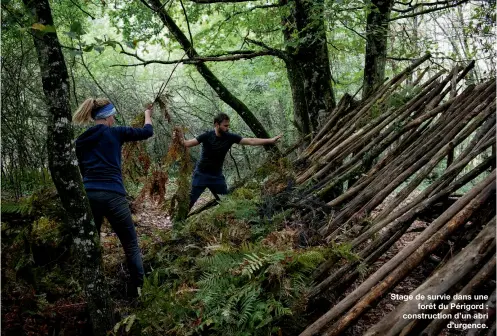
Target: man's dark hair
[(220, 118)]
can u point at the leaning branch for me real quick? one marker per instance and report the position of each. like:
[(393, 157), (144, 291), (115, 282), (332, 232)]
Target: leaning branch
[(352, 30), (197, 60), (428, 11), (81, 9), (413, 7)]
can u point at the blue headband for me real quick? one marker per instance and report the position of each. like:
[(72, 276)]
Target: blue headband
[(105, 111)]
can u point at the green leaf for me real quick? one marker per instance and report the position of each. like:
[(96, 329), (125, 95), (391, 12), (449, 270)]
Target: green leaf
[(110, 44), (43, 28), (130, 44), (77, 28), (100, 49), (71, 34), (75, 52), (116, 327), (88, 48), (130, 322)]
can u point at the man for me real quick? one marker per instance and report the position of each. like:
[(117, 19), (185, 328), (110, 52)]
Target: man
[(215, 144)]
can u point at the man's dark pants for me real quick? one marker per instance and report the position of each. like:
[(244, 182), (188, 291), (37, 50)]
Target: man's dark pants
[(201, 180), (115, 208)]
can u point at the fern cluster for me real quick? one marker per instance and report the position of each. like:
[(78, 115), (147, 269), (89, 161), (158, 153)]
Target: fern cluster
[(227, 271), (248, 290)]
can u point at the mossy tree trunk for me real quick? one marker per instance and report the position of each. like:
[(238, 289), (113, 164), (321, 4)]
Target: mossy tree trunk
[(64, 166), (307, 63), (376, 45)]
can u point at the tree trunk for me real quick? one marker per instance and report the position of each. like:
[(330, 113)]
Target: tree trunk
[(376, 45), (65, 172), (308, 65), (248, 117)]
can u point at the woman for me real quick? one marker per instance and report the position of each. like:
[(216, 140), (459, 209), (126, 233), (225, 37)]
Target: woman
[(99, 156)]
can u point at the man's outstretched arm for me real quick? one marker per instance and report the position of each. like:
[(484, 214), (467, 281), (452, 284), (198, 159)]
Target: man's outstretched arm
[(259, 141), (191, 143)]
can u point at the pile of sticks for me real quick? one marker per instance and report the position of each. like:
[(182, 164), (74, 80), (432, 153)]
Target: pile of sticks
[(375, 153)]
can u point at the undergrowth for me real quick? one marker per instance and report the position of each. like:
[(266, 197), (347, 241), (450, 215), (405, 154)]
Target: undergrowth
[(227, 271)]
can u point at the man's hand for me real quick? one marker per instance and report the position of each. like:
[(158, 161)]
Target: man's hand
[(259, 141)]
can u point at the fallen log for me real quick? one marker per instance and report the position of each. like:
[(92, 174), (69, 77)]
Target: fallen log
[(490, 308)]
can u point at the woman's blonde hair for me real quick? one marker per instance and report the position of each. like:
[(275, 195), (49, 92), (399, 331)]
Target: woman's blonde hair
[(83, 114)]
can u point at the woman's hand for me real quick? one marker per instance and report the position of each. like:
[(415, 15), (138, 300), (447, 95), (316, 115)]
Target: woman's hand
[(148, 113), (276, 138), (149, 107)]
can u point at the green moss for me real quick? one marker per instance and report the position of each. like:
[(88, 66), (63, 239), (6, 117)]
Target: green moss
[(46, 231)]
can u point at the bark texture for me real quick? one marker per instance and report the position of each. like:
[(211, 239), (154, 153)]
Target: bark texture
[(307, 62), (376, 44)]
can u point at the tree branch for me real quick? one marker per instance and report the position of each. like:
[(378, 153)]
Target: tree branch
[(254, 8), (428, 11), (81, 9), (187, 22), (279, 53), (101, 88), (352, 29), (413, 7), (217, 1), (230, 56)]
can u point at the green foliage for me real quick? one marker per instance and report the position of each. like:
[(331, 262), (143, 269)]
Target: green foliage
[(235, 292), (20, 208), (46, 230), (248, 293), (213, 274), (344, 250), (42, 202)]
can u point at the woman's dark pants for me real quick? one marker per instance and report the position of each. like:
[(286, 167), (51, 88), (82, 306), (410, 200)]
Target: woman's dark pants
[(115, 208)]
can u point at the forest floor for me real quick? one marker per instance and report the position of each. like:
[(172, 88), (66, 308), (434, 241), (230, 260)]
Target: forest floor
[(149, 217), (151, 222)]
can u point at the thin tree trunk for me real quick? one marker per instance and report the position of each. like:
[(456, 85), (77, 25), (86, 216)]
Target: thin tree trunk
[(65, 172), (248, 117)]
